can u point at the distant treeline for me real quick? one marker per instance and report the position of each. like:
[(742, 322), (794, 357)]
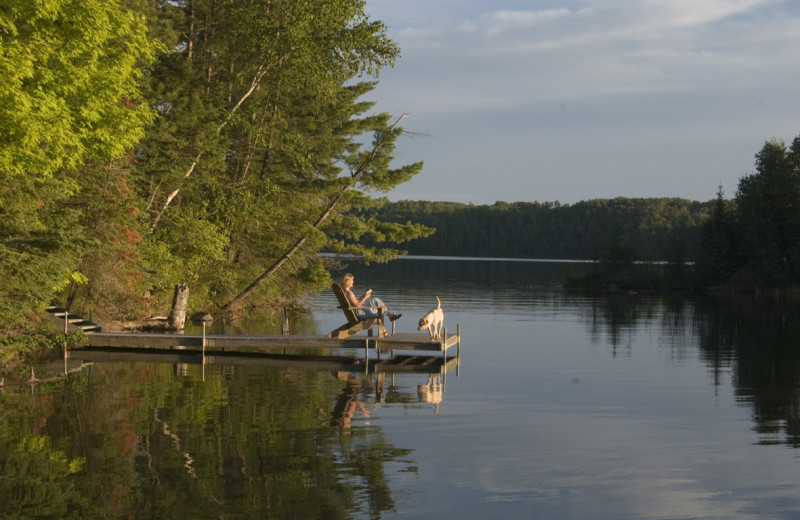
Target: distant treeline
[(665, 229), (749, 242)]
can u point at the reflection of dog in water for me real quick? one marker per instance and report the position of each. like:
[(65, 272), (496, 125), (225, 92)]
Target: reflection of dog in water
[(433, 321), (431, 392)]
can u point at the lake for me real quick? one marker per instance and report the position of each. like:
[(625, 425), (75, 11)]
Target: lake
[(563, 405)]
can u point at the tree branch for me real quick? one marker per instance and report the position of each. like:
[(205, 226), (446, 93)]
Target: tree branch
[(253, 85), (355, 174)]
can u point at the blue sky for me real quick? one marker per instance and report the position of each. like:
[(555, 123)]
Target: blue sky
[(511, 100)]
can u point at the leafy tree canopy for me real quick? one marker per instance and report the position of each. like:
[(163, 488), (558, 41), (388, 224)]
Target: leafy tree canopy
[(68, 92)]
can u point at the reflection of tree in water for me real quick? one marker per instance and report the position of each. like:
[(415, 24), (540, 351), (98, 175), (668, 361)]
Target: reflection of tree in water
[(761, 341), (361, 450), (35, 469), (247, 441), (717, 329), (757, 340), (615, 316)]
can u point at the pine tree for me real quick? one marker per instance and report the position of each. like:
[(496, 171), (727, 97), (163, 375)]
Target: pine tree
[(257, 157)]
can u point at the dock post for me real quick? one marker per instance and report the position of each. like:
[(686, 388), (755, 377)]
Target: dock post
[(66, 320), (443, 345), (66, 357), (458, 339), (458, 349), (366, 355), (203, 368)]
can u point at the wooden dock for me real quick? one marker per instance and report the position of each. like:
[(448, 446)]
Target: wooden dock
[(223, 343), (399, 364), (418, 342)]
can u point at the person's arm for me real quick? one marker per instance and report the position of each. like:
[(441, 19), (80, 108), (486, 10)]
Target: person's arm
[(364, 298), (356, 302)]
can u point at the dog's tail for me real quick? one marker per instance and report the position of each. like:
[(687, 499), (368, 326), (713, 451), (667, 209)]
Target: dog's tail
[(439, 303)]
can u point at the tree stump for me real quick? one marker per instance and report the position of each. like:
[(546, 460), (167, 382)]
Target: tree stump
[(180, 300)]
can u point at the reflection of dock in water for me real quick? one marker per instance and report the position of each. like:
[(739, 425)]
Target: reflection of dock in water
[(363, 393), (360, 373)]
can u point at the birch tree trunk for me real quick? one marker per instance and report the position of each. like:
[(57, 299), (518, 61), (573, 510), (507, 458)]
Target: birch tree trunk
[(180, 300)]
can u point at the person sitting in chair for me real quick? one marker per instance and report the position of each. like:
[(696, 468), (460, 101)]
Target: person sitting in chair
[(347, 287)]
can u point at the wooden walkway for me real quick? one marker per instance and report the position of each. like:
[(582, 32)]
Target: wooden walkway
[(222, 343), (69, 322)]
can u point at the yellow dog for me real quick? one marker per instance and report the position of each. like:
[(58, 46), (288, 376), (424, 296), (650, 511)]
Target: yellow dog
[(433, 321)]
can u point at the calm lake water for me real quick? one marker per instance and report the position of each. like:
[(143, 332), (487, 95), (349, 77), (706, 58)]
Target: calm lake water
[(564, 405)]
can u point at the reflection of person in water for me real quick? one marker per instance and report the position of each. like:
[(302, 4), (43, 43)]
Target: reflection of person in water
[(431, 392), (347, 405)]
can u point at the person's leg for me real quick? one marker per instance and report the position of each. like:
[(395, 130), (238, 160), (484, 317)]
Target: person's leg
[(377, 302), (365, 314)]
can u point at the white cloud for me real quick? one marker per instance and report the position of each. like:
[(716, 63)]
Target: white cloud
[(501, 21)]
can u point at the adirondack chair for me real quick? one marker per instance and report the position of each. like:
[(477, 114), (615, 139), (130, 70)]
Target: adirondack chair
[(355, 323)]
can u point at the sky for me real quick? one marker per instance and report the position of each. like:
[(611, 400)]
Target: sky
[(539, 100)]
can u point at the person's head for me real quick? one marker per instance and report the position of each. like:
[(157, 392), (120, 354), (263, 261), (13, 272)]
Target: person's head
[(346, 279)]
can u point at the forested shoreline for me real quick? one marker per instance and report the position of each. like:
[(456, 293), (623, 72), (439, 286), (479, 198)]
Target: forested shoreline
[(216, 145), (660, 229)]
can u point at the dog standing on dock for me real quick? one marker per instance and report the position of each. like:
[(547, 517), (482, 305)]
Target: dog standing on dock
[(433, 321)]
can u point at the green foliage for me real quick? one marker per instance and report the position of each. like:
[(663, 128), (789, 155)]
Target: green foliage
[(213, 143), (257, 142), (149, 143), (68, 73), (32, 337), (762, 233), (40, 243), (718, 252), (68, 93)]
